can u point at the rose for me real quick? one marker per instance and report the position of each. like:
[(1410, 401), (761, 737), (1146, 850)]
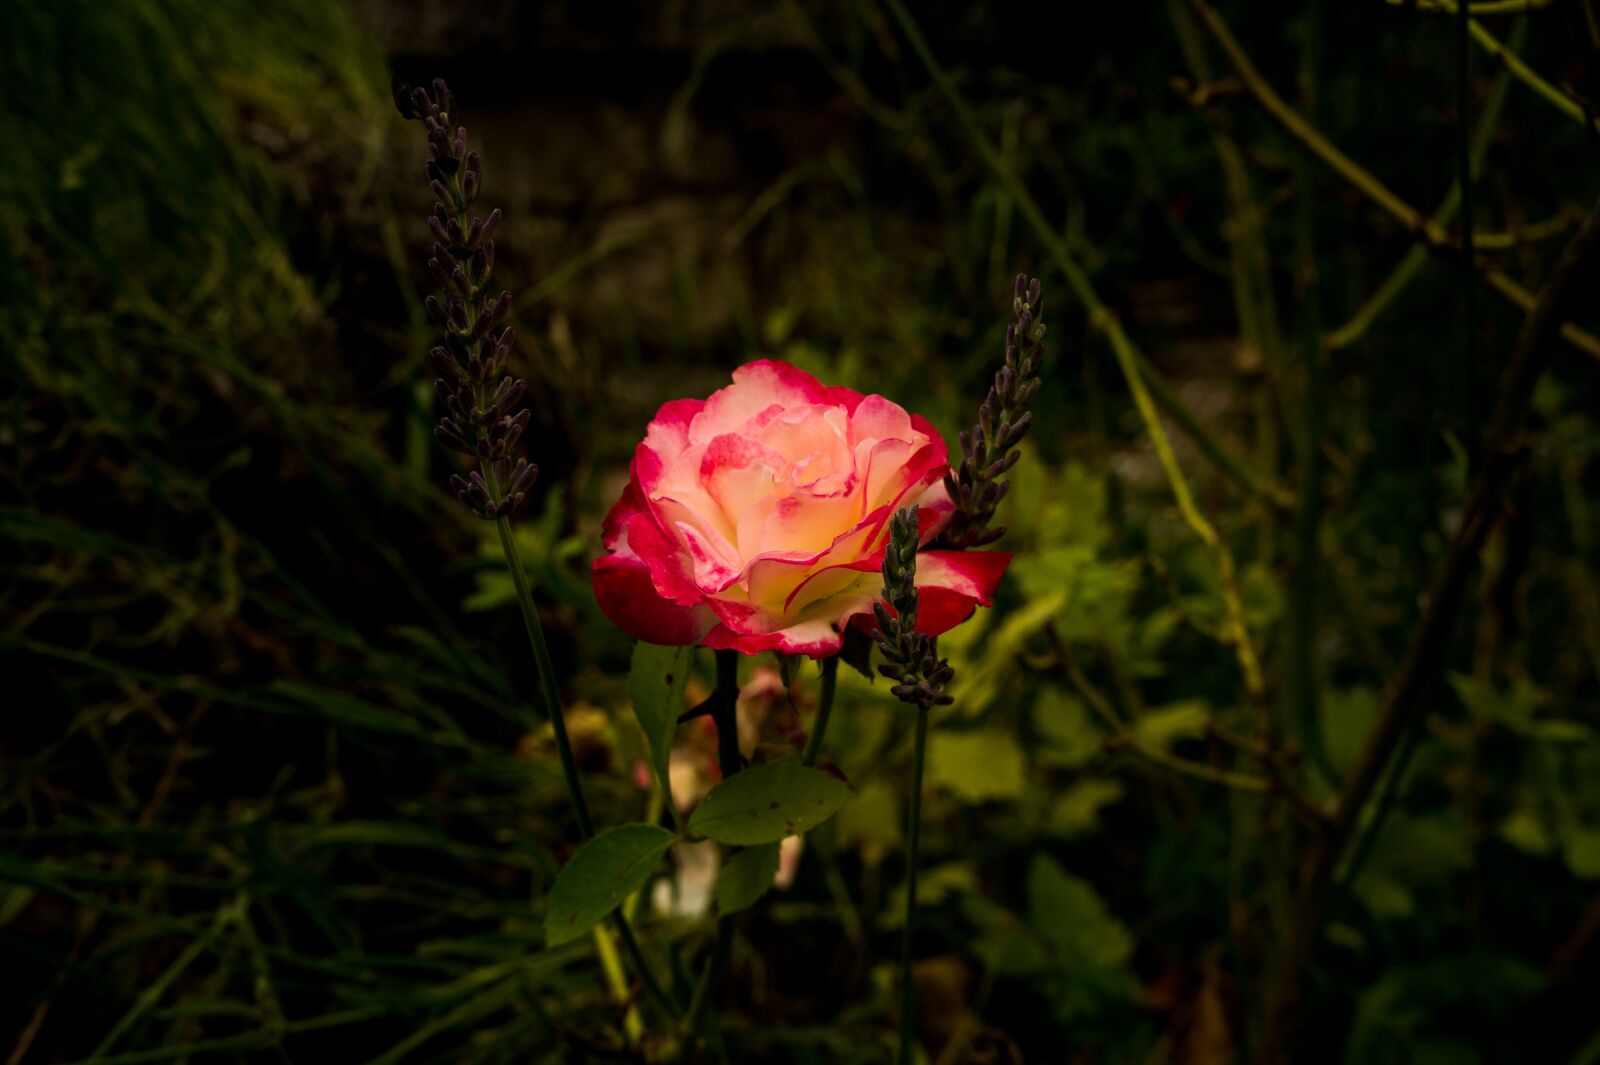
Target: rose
[(756, 520)]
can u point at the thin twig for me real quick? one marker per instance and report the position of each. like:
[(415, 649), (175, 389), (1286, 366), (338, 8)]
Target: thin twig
[(1499, 457), (1131, 360), (1362, 180)]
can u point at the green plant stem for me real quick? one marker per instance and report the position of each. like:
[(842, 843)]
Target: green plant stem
[(546, 671), (908, 986), (819, 727), (1143, 378), (1379, 301), (1421, 228), (1570, 281), (1129, 360), (724, 713), (558, 724), (1464, 182)]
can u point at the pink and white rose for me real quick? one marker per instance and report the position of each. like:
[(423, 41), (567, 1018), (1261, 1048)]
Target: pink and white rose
[(756, 519)]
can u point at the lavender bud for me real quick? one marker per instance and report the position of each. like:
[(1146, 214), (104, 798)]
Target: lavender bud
[(995, 469), (491, 223), (443, 362), (441, 278)]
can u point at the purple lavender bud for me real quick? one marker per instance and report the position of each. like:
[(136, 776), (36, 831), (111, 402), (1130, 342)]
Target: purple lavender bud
[(989, 537), (1033, 291), (435, 311), (995, 469), (1021, 286), (453, 233), (440, 278), (469, 186), (420, 103), (492, 315), (474, 232), (491, 223), (442, 194), (512, 397), (439, 229), (443, 363), (458, 278), (450, 434), (458, 314), (474, 164), (441, 93), (487, 250), (523, 477)]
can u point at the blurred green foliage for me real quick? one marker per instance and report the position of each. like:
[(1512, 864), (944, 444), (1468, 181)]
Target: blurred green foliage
[(270, 783)]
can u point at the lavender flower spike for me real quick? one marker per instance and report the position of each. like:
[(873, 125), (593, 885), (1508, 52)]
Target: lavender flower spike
[(483, 416)]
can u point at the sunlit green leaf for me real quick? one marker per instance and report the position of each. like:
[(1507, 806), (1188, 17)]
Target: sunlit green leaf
[(872, 822), (1077, 809), (1068, 735), (1165, 726), (978, 765)]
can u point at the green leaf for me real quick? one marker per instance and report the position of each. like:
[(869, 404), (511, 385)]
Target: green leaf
[(1074, 919), (1168, 725), (1068, 735), (747, 876), (606, 870), (767, 802), (1077, 809), (656, 684), (978, 766), (1582, 847), (872, 822)]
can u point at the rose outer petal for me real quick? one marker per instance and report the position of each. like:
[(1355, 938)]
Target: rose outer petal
[(625, 593)]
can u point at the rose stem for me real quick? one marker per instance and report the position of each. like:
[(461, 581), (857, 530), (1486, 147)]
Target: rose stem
[(558, 724), (830, 680), (724, 713), (908, 986)]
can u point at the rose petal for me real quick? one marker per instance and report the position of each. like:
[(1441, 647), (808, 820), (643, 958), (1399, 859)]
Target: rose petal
[(623, 588)]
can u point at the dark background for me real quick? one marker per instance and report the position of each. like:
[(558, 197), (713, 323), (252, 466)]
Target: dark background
[(271, 783)]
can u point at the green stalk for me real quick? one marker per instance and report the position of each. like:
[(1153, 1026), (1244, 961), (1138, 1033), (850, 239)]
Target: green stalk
[(908, 987), (819, 727), (724, 713), (558, 724), (542, 664)]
